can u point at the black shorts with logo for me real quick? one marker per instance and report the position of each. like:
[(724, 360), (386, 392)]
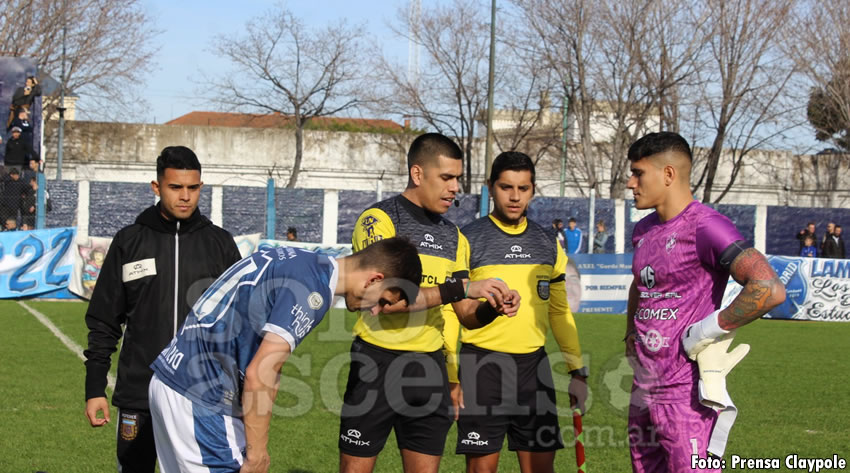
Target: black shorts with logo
[(506, 393), (393, 389)]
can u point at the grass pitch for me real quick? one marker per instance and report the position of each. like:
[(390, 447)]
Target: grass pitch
[(791, 391)]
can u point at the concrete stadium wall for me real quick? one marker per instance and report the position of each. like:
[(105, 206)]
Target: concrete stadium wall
[(121, 152)]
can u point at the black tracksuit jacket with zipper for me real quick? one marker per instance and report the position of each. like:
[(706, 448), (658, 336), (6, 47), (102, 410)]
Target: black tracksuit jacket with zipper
[(154, 271)]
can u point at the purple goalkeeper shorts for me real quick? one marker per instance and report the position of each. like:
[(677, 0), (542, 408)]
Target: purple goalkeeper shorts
[(666, 437)]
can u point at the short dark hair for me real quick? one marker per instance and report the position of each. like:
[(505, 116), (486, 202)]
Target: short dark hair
[(398, 260), (512, 161), (428, 147), (571, 220), (292, 230), (660, 142), (837, 226), (557, 221), (810, 223), (176, 157)]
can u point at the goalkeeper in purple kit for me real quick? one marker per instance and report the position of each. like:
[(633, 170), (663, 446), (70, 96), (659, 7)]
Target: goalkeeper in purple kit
[(684, 254)]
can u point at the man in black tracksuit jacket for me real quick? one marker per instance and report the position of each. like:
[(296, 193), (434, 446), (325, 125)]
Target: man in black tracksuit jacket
[(154, 271)]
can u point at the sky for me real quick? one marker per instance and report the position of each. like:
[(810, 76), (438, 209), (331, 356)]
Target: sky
[(188, 27)]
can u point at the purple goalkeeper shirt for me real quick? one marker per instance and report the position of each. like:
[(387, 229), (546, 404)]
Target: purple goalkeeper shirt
[(680, 281)]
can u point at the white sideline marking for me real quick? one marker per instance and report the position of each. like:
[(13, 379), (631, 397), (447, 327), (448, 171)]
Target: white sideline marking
[(76, 349)]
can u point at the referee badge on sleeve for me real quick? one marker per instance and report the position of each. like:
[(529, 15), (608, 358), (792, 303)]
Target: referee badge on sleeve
[(129, 426), (543, 289)]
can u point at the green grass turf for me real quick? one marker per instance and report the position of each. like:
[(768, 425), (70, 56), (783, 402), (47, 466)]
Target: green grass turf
[(791, 391)]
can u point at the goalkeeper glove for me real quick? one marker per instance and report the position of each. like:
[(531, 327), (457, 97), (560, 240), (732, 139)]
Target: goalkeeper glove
[(714, 364), (699, 335)]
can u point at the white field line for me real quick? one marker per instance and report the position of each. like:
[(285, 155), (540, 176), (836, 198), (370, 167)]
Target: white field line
[(76, 349)]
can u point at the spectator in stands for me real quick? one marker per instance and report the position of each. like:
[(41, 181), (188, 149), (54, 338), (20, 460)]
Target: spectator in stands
[(291, 234), (23, 122), (573, 236), (28, 204), (558, 227), (833, 245), (830, 227), (10, 225), (808, 231), (24, 97), (809, 249), (601, 237), (10, 199), (18, 152)]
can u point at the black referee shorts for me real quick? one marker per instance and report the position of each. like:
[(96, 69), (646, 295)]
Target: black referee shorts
[(508, 394), (393, 389)]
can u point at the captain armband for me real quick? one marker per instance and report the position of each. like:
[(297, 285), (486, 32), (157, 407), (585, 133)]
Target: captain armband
[(731, 252), (451, 291)]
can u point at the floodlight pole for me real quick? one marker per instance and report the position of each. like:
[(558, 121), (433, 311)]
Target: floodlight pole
[(564, 145), (488, 150), (61, 107)]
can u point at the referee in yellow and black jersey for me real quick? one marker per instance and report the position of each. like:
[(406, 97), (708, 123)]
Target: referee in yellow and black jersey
[(506, 381), (398, 379)]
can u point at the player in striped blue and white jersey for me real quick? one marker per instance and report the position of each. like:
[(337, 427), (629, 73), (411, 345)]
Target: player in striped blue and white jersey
[(214, 386)]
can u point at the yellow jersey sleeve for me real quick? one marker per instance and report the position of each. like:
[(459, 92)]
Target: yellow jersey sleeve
[(451, 325), (561, 318), (372, 225)]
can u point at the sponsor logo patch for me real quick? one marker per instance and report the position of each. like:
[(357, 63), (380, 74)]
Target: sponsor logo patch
[(352, 437), (543, 289), (129, 426), (473, 438), (647, 277), (138, 269), (315, 300), (654, 342)]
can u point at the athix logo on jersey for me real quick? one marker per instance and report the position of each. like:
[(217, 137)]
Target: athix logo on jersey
[(472, 438), (516, 253), (647, 277), (429, 243), (315, 300), (671, 242), (653, 341), (353, 437)]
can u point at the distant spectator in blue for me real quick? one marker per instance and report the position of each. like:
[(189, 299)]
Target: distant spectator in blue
[(601, 238), (573, 236), (558, 228), (809, 249)]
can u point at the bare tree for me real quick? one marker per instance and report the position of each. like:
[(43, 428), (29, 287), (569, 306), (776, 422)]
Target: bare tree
[(561, 33), (743, 98), (280, 66), (451, 91), (108, 53)]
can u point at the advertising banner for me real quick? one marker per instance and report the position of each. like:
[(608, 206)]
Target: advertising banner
[(599, 283), (815, 289), (35, 262)]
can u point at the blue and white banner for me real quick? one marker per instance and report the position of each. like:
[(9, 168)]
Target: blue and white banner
[(599, 283), (34, 262), (815, 289)]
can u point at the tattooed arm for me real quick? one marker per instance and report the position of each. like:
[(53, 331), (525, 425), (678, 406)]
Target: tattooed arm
[(762, 290)]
